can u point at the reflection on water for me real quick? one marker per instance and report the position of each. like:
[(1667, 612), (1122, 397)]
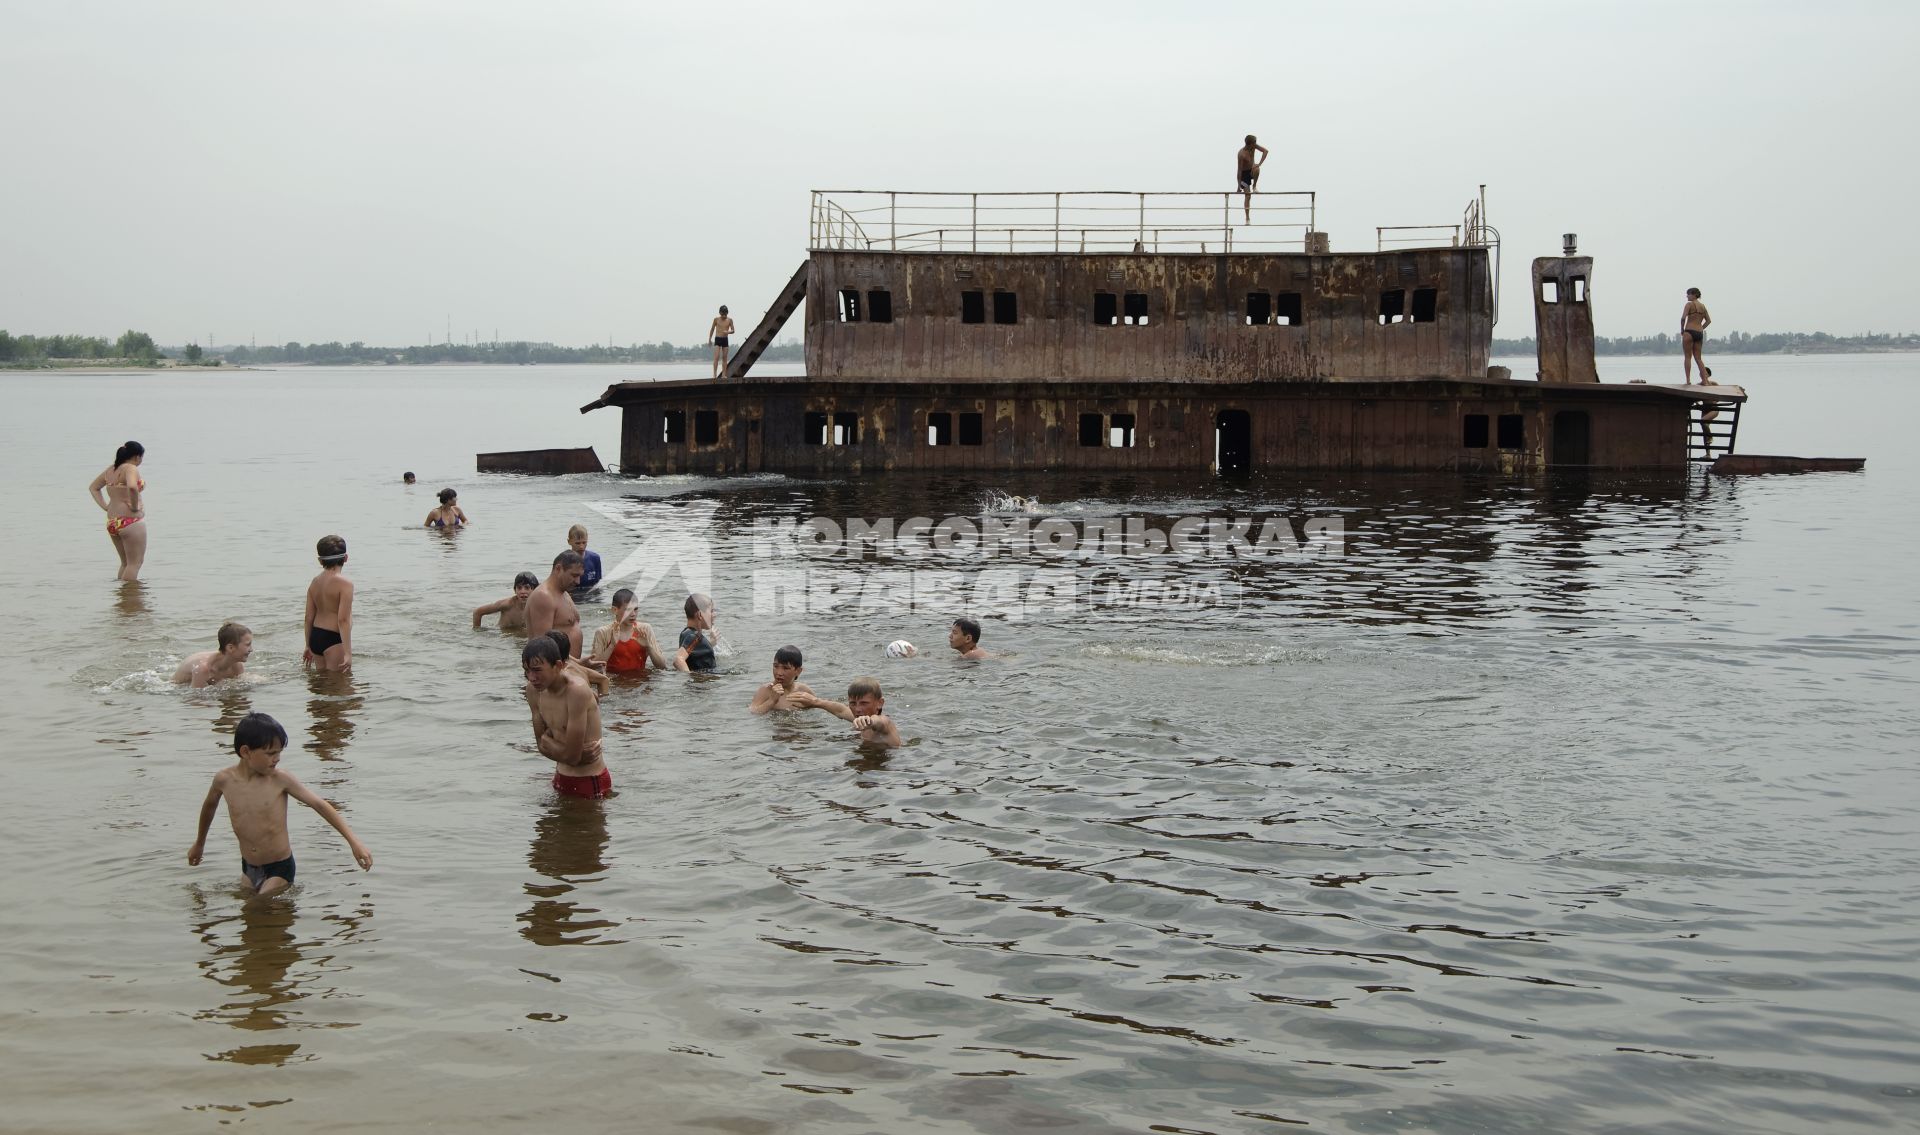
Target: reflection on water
[(568, 852), (236, 701), (265, 971), (335, 702), (131, 598)]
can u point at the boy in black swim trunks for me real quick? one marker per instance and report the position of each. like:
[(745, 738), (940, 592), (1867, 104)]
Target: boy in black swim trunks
[(721, 327), (329, 615), (256, 791), (1247, 169)]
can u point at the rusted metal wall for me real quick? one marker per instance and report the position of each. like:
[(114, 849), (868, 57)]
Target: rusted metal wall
[(1373, 426), (1196, 316), (1563, 326)]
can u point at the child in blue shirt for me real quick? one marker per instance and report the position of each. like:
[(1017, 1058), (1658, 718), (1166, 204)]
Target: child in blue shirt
[(590, 577)]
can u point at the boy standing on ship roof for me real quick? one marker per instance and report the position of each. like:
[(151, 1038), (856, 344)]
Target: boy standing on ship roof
[(551, 606), (234, 645), (786, 684), (566, 721), (256, 790), (865, 708), (329, 616), (717, 331), (1694, 321), (1247, 170)]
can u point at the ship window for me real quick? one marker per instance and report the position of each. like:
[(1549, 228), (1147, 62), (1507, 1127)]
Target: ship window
[(813, 428), (1120, 431), (1513, 432), (879, 306), (1579, 289), (846, 427), (1286, 309), (673, 427), (1106, 312), (849, 305), (1549, 291), (1090, 430), (973, 307), (1426, 304), (1259, 309), (970, 429), (1006, 307), (1475, 434), (1393, 305), (1135, 314), (706, 427), (940, 429)]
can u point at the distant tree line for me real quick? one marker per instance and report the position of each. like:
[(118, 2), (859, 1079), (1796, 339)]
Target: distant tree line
[(30, 350), (138, 347), (1735, 343)]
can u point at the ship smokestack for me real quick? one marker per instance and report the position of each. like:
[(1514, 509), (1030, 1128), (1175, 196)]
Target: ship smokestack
[(1570, 244)]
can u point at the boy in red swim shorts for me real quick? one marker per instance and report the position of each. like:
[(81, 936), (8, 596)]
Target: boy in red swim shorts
[(566, 721)]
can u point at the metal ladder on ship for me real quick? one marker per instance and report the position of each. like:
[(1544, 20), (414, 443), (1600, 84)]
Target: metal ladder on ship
[(770, 324), (1711, 427)]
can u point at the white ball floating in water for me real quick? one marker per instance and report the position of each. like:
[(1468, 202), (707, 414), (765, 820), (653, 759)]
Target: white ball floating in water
[(901, 648)]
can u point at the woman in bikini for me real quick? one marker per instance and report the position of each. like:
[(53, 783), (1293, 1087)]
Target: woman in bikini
[(125, 505), (449, 514)]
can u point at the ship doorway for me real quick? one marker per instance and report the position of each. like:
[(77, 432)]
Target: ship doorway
[(753, 445), (1232, 441), (1572, 438)]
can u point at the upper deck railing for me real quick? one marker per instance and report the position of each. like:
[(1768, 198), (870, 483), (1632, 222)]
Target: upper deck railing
[(1089, 221)]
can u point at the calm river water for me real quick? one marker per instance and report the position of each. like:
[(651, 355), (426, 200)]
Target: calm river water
[(1581, 803)]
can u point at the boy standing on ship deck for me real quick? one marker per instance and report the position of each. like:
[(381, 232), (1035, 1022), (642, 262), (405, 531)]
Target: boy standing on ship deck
[(1247, 169), (256, 791), (329, 617), (566, 721)]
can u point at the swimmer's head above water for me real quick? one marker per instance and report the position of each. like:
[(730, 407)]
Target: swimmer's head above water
[(332, 551)]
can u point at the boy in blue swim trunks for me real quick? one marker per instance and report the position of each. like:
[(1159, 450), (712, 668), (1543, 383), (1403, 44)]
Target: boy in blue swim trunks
[(256, 791)]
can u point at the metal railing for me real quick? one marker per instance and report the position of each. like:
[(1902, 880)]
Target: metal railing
[(1087, 221)]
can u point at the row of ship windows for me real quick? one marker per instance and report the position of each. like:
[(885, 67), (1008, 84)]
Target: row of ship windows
[(1114, 431), (1129, 309)]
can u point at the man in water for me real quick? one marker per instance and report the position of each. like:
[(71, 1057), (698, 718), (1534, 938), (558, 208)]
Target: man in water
[(964, 636), (551, 607), (1247, 169), (1693, 332), (566, 721)]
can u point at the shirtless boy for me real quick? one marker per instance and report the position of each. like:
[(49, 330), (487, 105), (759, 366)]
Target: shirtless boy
[(256, 790), (1247, 170), (865, 707), (566, 721), (718, 331), (551, 608), (1694, 321), (229, 660), (329, 618), (964, 636), (779, 693), (513, 609)]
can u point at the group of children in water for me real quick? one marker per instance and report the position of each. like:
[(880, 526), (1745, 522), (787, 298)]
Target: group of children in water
[(562, 690)]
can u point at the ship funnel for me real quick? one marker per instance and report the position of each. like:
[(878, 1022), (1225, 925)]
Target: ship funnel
[(1570, 244)]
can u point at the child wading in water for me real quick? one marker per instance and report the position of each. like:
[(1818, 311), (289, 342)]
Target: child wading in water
[(627, 645), (329, 619), (235, 646), (256, 791), (513, 609)]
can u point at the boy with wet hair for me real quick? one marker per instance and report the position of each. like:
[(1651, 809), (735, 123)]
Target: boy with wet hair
[(865, 707), (964, 636), (696, 639), (233, 646), (513, 609), (566, 720), (329, 615), (590, 570), (779, 693), (256, 790)]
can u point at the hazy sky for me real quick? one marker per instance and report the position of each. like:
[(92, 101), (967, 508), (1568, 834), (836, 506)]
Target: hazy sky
[(571, 171)]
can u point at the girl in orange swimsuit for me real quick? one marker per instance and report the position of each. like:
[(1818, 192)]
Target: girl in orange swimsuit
[(120, 492)]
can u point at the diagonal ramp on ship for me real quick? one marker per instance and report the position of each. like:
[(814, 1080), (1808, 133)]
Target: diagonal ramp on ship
[(770, 324)]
